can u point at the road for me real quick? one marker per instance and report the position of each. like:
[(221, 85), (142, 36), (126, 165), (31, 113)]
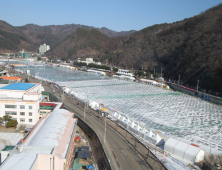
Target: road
[(126, 156), (121, 152)]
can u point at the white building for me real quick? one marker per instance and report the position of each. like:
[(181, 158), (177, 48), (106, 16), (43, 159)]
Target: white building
[(43, 48), (21, 101), (125, 72), (89, 60), (49, 145)]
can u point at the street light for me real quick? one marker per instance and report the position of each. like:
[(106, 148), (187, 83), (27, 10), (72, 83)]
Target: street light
[(105, 131)]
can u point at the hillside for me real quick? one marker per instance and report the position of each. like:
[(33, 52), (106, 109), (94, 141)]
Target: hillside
[(190, 48), (52, 34), (81, 43), (13, 40)]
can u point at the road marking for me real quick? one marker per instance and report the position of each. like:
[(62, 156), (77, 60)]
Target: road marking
[(123, 157)]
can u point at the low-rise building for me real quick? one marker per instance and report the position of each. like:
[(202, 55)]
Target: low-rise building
[(49, 145), (11, 79), (21, 101)]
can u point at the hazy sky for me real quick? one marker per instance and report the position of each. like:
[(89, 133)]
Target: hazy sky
[(117, 15)]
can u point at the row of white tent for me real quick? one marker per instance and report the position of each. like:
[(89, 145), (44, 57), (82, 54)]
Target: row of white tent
[(184, 151), (150, 135), (122, 77), (178, 148), (97, 72)]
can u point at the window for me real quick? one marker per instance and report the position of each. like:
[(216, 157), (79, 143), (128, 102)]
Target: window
[(10, 113), (22, 120), (22, 106), (30, 113), (30, 107), (22, 113), (30, 120), (11, 106)]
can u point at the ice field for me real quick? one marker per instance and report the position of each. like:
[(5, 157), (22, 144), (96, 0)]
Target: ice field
[(175, 114)]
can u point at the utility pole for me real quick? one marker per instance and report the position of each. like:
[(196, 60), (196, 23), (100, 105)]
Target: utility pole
[(179, 81), (62, 94), (84, 109), (197, 84), (161, 71), (105, 131)]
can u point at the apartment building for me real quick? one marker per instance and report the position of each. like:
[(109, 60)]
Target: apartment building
[(21, 101)]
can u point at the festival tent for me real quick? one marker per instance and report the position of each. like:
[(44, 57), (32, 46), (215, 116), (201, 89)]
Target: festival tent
[(194, 154), (180, 149), (144, 131), (170, 145), (159, 140), (94, 105), (151, 134), (115, 114), (119, 116), (123, 118), (138, 128), (183, 150), (128, 121), (133, 124)]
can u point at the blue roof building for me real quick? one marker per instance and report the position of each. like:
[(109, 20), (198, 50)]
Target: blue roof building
[(18, 86)]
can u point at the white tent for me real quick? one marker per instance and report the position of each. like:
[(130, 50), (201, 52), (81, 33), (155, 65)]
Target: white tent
[(94, 105), (194, 154), (119, 116), (123, 118), (180, 149), (170, 145), (115, 114), (133, 124), (144, 130), (128, 121), (138, 127), (159, 140), (151, 134), (183, 150)]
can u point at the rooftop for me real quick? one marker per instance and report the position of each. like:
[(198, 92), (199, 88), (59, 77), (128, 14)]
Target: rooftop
[(10, 78), (18, 86), (55, 131)]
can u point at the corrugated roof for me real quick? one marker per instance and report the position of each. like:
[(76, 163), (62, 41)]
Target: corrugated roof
[(18, 86), (56, 131), (10, 78)]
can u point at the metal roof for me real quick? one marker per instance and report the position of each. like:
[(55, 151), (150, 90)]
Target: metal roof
[(18, 86)]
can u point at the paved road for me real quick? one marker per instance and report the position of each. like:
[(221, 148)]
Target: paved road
[(126, 156), (123, 155)]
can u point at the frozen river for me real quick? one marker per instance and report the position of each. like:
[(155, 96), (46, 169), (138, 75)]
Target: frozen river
[(175, 114)]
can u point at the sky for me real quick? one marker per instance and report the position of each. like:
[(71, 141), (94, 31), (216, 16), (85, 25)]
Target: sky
[(117, 15)]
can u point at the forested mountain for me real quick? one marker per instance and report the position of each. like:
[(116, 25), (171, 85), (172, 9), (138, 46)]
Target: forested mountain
[(81, 43), (13, 40), (190, 48), (52, 34)]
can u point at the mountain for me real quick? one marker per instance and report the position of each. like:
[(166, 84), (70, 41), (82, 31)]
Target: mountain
[(54, 33), (13, 40), (189, 49), (81, 43)]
